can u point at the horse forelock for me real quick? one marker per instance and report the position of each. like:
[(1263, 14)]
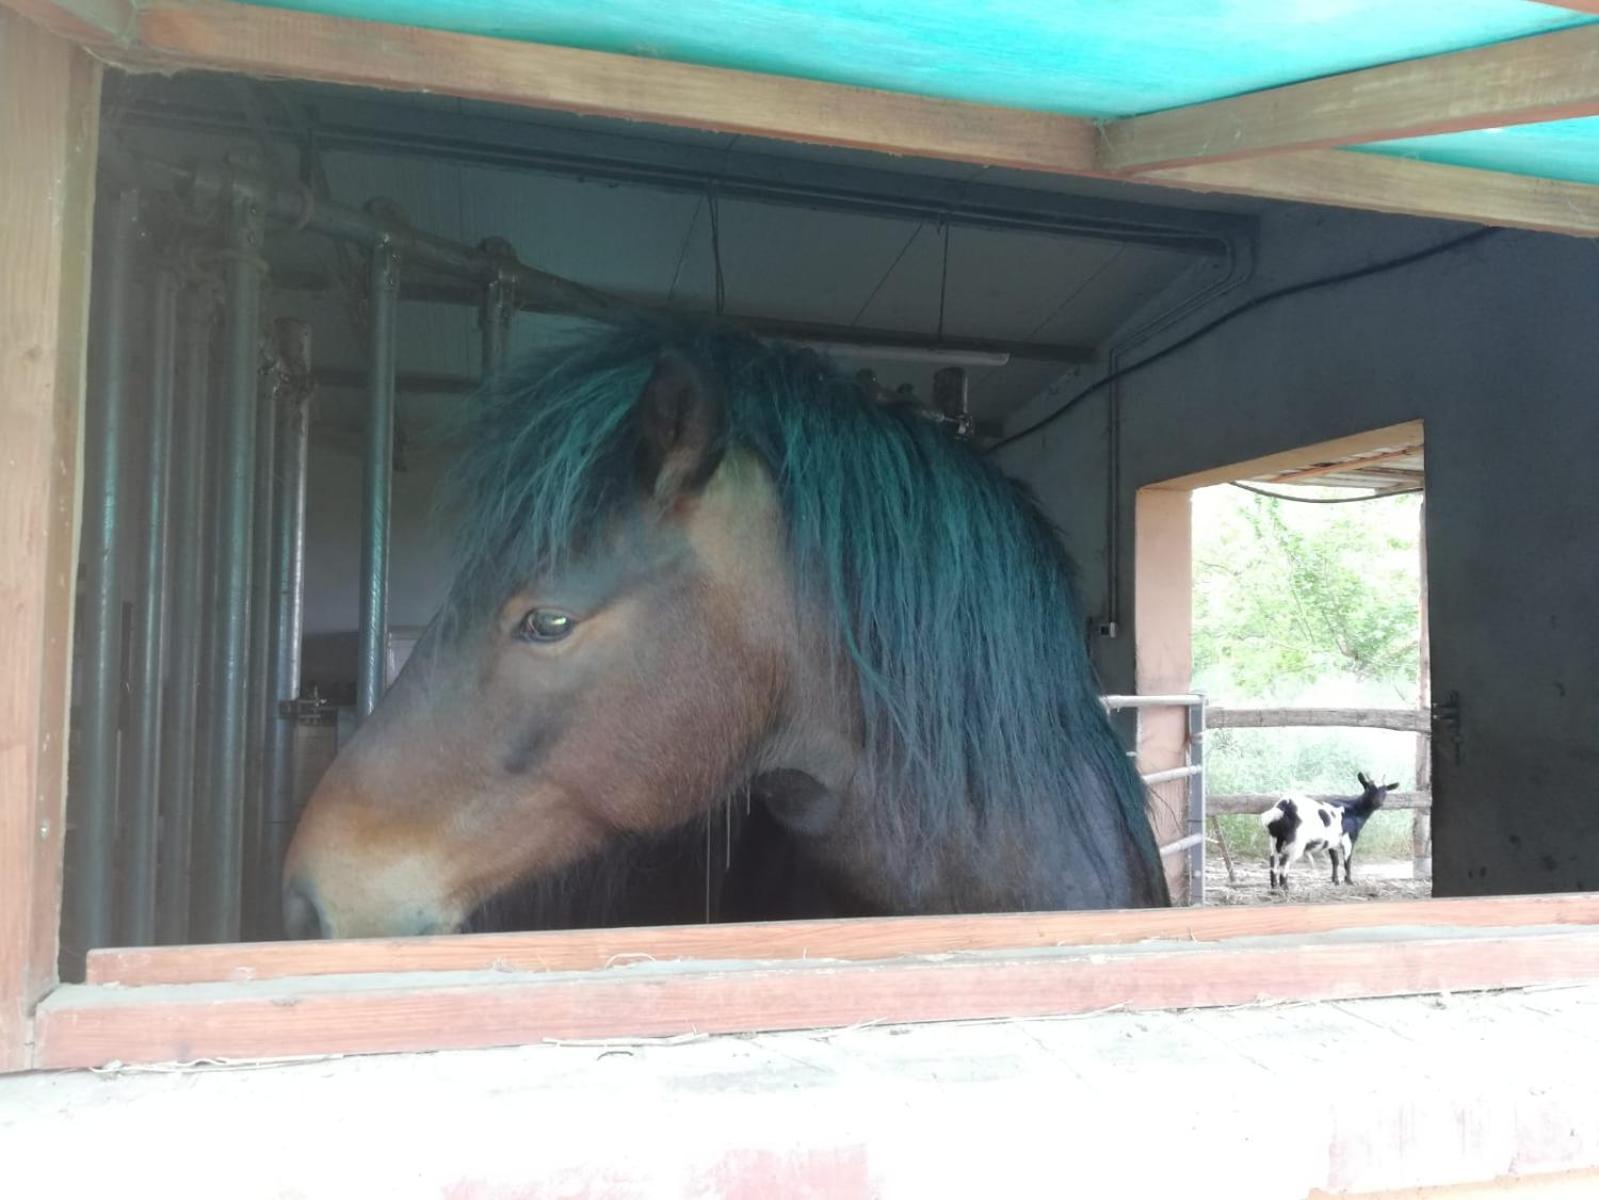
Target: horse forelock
[(945, 589)]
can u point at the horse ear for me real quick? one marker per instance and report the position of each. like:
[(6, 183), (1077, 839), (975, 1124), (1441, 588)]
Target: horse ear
[(682, 426)]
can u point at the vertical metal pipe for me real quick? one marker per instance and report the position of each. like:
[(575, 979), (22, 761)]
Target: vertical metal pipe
[(383, 303), (259, 705), (497, 307), (494, 320), (1196, 801), (142, 789), (91, 823), (190, 529), (293, 342), (218, 850)]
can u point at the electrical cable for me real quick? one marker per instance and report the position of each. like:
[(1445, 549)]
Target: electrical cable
[(1392, 264), (1328, 499)]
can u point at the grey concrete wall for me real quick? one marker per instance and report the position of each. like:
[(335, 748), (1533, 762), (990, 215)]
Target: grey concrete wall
[(1496, 347)]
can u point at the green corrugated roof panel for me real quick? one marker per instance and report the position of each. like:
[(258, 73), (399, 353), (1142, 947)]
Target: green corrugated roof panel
[(1095, 58)]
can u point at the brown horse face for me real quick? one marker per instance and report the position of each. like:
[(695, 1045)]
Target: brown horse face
[(624, 694)]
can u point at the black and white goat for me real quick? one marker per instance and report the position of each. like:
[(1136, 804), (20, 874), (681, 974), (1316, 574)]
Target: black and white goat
[(1298, 823)]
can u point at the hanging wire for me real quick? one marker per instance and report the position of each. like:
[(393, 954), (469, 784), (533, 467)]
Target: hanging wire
[(1328, 499), (714, 207), (943, 281)]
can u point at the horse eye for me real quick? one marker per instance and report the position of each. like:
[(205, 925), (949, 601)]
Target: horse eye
[(545, 625)]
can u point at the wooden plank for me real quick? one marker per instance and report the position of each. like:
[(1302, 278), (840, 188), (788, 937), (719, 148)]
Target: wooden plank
[(1406, 720), (91, 22), (1298, 456), (1259, 802), (219, 35), (1352, 464), (82, 1026), (1545, 77), (49, 106), (848, 940), (1383, 183), (261, 41)]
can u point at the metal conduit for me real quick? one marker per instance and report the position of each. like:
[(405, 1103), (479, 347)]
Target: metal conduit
[(91, 818), (141, 793), (292, 340), (185, 619), (378, 476), (218, 849)]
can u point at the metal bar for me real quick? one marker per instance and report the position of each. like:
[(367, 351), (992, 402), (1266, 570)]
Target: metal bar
[(539, 291), (1196, 803), (1115, 702), (260, 703), (189, 537), (476, 138), (1183, 843), (1159, 777), (218, 850), (494, 320), (142, 790), (496, 306), (837, 339), (91, 824), (293, 341), (383, 304)]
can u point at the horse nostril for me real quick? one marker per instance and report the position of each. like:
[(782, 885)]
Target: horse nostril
[(302, 910)]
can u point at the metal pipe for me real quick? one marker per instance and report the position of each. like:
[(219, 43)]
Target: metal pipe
[(383, 304), (259, 704), (539, 291), (142, 791), (91, 824), (293, 342), (494, 321), (218, 849), (497, 306), (1196, 802), (186, 617)]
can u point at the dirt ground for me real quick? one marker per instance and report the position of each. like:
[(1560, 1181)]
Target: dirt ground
[(1310, 883)]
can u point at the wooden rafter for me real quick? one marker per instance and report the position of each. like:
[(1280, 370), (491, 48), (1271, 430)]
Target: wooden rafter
[(262, 41), (1382, 183), (1544, 78), (222, 35)]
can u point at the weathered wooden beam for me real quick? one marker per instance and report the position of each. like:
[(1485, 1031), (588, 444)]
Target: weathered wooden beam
[(1384, 183), (82, 1026), (843, 940), (1546, 77), (1259, 802), (262, 41), (1406, 720), (49, 123), (90, 22)]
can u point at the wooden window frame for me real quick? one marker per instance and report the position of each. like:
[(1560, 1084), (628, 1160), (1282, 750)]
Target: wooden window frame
[(268, 1001)]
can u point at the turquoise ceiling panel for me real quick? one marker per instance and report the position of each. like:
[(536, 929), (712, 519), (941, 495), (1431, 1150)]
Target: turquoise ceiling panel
[(1096, 58), (1556, 150)]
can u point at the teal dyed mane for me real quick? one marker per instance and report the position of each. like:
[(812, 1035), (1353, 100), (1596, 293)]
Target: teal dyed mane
[(947, 589)]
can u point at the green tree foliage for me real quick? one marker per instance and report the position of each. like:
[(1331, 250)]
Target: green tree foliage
[(1284, 599)]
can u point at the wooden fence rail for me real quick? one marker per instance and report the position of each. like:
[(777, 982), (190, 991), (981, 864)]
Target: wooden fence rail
[(1259, 802), (1406, 720)]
